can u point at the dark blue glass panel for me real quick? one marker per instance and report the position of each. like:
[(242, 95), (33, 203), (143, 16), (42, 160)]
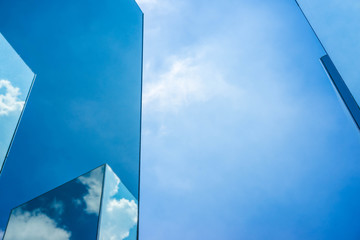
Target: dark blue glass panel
[(70, 211), (15, 82), (84, 110), (119, 210)]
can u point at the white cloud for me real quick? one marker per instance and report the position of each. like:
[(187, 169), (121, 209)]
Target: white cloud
[(34, 225), (242, 150), (10, 102), (1, 233), (114, 185), (119, 218), (77, 202), (189, 80), (93, 183), (119, 215), (58, 206), (124, 205)]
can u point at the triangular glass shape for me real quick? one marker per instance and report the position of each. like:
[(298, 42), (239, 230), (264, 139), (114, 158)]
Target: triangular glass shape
[(16, 80), (70, 211), (119, 210)]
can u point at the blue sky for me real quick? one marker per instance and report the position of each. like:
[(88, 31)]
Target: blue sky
[(243, 134)]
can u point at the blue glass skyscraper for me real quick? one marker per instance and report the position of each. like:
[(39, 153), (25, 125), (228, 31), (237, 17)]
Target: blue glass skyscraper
[(85, 106), (96, 205)]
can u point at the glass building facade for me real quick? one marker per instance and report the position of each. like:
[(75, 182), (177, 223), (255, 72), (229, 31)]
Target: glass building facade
[(246, 169), (15, 82), (95, 205), (337, 24), (84, 109)]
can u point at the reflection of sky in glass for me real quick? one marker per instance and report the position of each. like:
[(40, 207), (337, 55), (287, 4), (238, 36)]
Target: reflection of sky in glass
[(119, 211), (71, 211), (67, 212), (85, 106), (15, 82), (337, 25)]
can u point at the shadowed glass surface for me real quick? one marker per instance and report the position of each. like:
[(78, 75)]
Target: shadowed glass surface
[(15, 83), (337, 24), (119, 210), (84, 110), (70, 211)]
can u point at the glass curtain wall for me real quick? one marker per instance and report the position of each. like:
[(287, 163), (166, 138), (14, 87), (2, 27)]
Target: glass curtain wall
[(15, 82), (96, 205), (85, 106)]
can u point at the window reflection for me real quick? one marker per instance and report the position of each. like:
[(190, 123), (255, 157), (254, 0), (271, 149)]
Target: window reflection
[(119, 214), (15, 82), (85, 106), (70, 211)]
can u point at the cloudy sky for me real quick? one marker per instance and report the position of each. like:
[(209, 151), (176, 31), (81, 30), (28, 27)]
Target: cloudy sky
[(243, 134)]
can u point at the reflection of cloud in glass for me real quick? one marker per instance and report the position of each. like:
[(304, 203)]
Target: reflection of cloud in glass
[(27, 225), (93, 183), (15, 82), (121, 216), (64, 212), (58, 206), (119, 213), (1, 233), (9, 102)]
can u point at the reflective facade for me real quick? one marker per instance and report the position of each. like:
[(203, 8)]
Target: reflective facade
[(95, 205), (15, 82), (336, 24), (85, 106), (119, 210)]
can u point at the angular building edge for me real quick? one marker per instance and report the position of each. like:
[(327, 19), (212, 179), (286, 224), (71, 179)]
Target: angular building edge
[(104, 221), (337, 81)]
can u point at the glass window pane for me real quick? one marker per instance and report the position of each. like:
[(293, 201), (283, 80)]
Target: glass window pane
[(84, 109), (119, 211), (15, 82), (70, 211)]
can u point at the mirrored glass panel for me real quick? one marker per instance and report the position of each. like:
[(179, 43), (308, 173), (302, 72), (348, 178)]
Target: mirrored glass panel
[(84, 109), (15, 82), (119, 210), (337, 24), (70, 211)]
